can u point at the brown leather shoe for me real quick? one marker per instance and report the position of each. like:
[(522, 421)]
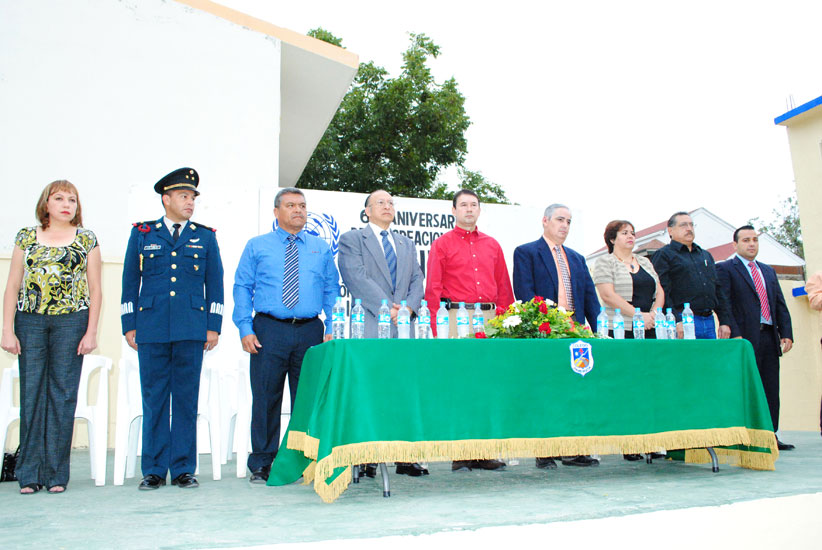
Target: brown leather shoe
[(461, 465), (488, 464)]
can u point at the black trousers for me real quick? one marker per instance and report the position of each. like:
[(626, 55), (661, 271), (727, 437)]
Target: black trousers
[(767, 361), (284, 346), (50, 372)]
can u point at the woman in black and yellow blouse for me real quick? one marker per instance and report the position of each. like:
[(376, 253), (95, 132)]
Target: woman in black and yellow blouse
[(50, 311)]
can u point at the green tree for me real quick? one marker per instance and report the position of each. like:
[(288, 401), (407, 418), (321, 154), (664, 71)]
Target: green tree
[(488, 191), (784, 225), (395, 133)]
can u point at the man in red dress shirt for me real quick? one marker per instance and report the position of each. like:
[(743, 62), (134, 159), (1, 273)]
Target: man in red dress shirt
[(465, 265)]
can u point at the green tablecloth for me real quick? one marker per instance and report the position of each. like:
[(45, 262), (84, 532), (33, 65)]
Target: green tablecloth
[(404, 400)]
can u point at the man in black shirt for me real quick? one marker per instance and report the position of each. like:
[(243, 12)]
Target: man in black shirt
[(688, 275)]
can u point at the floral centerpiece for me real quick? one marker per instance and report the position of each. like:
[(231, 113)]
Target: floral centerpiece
[(537, 318)]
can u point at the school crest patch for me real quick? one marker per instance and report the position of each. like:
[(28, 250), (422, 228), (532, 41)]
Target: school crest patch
[(582, 357)]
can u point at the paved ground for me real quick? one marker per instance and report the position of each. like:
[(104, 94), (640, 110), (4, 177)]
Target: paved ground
[(232, 513)]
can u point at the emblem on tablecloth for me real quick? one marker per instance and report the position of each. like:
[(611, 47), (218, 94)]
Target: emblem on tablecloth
[(582, 357)]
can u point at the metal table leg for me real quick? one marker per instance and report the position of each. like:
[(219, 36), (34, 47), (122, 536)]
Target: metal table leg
[(355, 473), (386, 487), (714, 461)]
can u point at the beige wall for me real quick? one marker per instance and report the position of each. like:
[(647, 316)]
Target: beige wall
[(801, 374), (805, 139)]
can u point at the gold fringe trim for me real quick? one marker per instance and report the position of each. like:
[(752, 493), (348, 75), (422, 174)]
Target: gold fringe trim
[(754, 460), (301, 441), (308, 473), (433, 451)]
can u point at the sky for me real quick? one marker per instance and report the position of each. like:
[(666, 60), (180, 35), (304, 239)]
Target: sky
[(621, 110)]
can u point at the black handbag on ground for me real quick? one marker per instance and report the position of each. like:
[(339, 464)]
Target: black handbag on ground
[(9, 463)]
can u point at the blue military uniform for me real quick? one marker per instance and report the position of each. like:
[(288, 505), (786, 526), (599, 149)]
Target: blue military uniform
[(172, 295)]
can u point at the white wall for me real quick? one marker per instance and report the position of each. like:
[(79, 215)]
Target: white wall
[(113, 95)]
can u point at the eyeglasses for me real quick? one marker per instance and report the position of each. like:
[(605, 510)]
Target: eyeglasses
[(383, 202)]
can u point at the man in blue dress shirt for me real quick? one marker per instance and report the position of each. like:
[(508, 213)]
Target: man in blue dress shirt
[(286, 277), (171, 311)]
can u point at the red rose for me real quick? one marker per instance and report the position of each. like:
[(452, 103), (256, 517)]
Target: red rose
[(500, 311), (479, 335), (543, 307), (538, 299), (545, 328)]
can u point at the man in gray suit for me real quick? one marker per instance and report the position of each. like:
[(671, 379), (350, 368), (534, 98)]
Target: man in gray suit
[(378, 264), (365, 260)]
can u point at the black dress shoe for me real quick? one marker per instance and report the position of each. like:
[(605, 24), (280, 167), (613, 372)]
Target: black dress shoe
[(784, 446), (413, 470), (488, 464), (370, 470), (260, 475), (632, 457), (151, 482), (185, 481), (582, 460), (546, 463)]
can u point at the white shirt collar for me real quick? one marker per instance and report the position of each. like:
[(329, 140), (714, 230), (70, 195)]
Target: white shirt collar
[(170, 225), (377, 232)]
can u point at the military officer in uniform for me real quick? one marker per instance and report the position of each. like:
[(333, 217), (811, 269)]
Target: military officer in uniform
[(171, 311)]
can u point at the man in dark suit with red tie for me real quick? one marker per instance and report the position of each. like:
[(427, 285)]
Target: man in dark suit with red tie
[(547, 268), (758, 313)]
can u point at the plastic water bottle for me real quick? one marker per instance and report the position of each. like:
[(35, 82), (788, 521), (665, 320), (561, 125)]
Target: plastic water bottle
[(619, 325), (404, 321), (462, 321), (442, 322), (423, 322), (384, 321), (357, 320), (338, 320), (602, 322), (670, 324), (477, 320), (639, 325), (660, 325), (688, 327)]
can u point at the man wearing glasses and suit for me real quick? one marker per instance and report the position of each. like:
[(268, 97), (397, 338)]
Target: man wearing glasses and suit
[(379, 264)]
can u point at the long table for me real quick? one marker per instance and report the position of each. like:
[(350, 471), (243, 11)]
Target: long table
[(374, 401)]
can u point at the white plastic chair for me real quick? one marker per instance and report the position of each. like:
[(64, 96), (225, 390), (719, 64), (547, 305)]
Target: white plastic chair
[(129, 423), (229, 376), (96, 416), (240, 430), (208, 412), (8, 411), (128, 435)]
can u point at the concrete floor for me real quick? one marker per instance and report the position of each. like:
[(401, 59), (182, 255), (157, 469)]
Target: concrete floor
[(232, 513)]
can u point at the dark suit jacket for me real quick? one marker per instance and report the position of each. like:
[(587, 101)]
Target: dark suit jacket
[(739, 288), (535, 274)]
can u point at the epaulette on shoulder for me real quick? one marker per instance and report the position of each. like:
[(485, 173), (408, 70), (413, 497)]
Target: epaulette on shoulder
[(197, 224), (142, 227)]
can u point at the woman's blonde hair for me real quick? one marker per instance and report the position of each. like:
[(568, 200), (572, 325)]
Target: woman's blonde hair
[(42, 211)]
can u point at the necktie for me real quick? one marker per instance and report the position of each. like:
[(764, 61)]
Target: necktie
[(291, 274), (390, 257), (566, 277), (176, 234), (764, 309)]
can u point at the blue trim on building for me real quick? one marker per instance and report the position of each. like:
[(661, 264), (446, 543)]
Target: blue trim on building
[(799, 110)]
